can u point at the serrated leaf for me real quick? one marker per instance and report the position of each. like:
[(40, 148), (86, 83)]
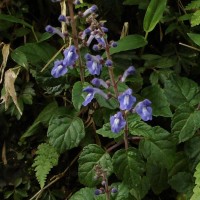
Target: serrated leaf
[(77, 96), (105, 131), (180, 90), (140, 128), (46, 158), (153, 14), (195, 4), (129, 42), (160, 105), (111, 103), (142, 188), (195, 20), (65, 133), (83, 194), (91, 156), (20, 58), (158, 147), (122, 191), (181, 182), (128, 166), (158, 176), (195, 38), (196, 190), (185, 122)]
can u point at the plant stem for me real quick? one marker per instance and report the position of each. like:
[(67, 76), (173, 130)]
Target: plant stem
[(75, 39), (110, 70), (126, 133)]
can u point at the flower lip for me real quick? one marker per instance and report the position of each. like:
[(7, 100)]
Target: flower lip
[(59, 69), (144, 109), (50, 29), (126, 100), (129, 71), (117, 122)]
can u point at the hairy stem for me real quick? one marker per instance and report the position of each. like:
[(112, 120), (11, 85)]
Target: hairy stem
[(75, 39)]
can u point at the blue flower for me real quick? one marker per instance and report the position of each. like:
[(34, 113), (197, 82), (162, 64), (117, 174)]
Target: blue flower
[(90, 10), (70, 56), (117, 122), (126, 100), (108, 63), (98, 82), (59, 69), (144, 109), (128, 72), (94, 64), (53, 30), (91, 92)]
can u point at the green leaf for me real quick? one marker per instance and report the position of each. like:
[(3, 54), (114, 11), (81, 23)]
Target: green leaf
[(46, 158), (160, 106), (83, 194), (196, 190), (111, 103), (77, 96), (153, 14), (181, 182), (37, 53), (91, 156), (122, 191), (180, 90), (43, 118), (129, 42), (65, 132), (142, 188), (128, 166), (195, 20), (192, 151), (185, 122), (140, 128), (195, 4), (158, 147), (195, 38), (20, 58), (14, 19), (158, 176), (105, 131)]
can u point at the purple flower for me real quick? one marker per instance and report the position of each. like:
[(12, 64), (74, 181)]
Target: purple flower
[(126, 100), (59, 69), (94, 64), (56, 1), (113, 44), (117, 122), (108, 63), (70, 56), (90, 10), (100, 39), (98, 82), (128, 72), (63, 18), (91, 92), (53, 30), (144, 109)]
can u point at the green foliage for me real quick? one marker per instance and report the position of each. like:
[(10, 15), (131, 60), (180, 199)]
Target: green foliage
[(196, 190), (153, 14), (161, 157), (46, 158), (65, 132), (91, 156)]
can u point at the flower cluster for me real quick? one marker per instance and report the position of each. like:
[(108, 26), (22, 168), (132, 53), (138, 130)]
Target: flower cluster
[(61, 66)]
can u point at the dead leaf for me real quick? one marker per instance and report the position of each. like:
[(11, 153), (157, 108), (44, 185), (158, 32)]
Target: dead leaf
[(9, 83), (124, 30), (5, 53)]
